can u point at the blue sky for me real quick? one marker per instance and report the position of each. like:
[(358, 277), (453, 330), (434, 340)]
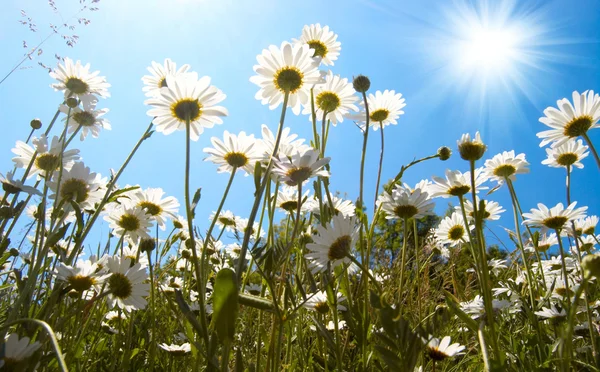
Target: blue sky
[(408, 46)]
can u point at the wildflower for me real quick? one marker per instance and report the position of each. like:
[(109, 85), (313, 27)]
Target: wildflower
[(82, 277), (318, 302), (241, 225), (131, 221), (452, 230), (554, 218), (47, 159), (384, 108), (158, 76), (506, 165), (300, 167), (287, 200), (336, 97), (440, 350), (569, 154), (77, 80), (322, 42), (86, 119), (471, 150), (570, 120), (585, 225), (15, 350), (288, 69), (404, 203), (177, 350), (456, 183), (545, 242), (131, 253), (235, 151), (288, 144), (342, 206), (226, 220), (79, 185), (151, 200), (496, 265), (126, 284), (333, 243), (551, 313), (491, 212), (12, 186), (187, 98)]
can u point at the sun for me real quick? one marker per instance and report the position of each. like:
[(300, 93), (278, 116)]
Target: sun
[(489, 50)]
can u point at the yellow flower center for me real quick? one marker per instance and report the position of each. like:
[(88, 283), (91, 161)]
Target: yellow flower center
[(84, 118), (298, 175), (459, 190), (505, 170), (81, 283), (236, 159), (340, 248), (567, 159), (186, 109), (76, 85), (74, 189), (456, 232), (289, 206), (405, 211), (151, 208), (319, 47), (129, 222), (578, 126), (47, 162), (322, 307), (328, 101), (120, 285), (556, 222), (379, 115), (288, 79)]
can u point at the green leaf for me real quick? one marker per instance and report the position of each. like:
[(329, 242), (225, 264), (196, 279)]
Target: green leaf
[(257, 175), (452, 303), (58, 235), (195, 201), (118, 193), (225, 305)]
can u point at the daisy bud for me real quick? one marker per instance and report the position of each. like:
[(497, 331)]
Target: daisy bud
[(14, 252), (147, 245), (471, 150), (591, 265), (35, 123), (72, 102), (444, 153), (361, 83)]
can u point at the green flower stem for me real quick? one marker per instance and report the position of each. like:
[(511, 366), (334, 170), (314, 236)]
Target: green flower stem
[(568, 340), (109, 190), (403, 259), (531, 282), (190, 217), (259, 193), (380, 167), (564, 266), (592, 148), (365, 277), (323, 143), (416, 237), (152, 345), (316, 140)]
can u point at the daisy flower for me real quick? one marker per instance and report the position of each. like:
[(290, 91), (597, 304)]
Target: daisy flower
[(152, 200), (587, 243), (384, 108), (456, 183), (545, 242), (471, 150), (77, 80), (404, 204), (288, 144), (287, 200), (235, 151), (506, 165), (187, 98), (554, 218), (568, 154), (226, 220), (16, 350), (126, 284), (491, 213), (452, 230), (177, 350), (158, 76), (47, 158), (551, 313), (497, 265), (333, 243), (86, 118), (318, 302), (234, 250), (336, 97), (300, 167), (322, 41), (12, 186), (287, 69), (586, 225), (131, 221), (442, 349), (131, 253), (241, 225), (340, 206), (79, 185), (570, 120), (82, 277)]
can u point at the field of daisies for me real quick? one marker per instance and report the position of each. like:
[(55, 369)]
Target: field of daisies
[(334, 285)]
